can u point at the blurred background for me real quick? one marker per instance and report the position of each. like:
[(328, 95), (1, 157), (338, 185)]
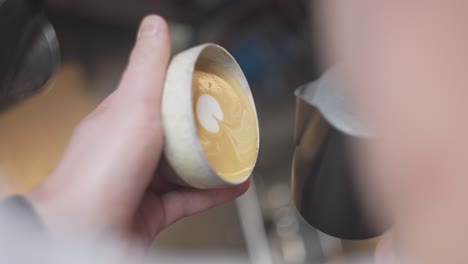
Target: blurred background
[(273, 41)]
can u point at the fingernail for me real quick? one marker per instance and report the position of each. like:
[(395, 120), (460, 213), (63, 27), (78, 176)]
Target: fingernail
[(149, 27)]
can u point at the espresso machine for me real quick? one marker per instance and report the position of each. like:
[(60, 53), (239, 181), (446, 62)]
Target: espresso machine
[(29, 50)]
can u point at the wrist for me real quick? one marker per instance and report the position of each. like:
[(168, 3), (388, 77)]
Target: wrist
[(56, 208), (39, 204)]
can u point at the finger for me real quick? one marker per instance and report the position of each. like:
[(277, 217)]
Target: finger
[(187, 202), (146, 70), (134, 145), (163, 211), (118, 144)]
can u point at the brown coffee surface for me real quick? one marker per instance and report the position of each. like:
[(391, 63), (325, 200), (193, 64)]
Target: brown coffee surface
[(230, 135)]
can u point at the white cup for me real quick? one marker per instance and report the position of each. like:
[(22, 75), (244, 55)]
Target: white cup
[(184, 160)]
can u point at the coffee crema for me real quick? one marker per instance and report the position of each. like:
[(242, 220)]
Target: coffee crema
[(226, 122)]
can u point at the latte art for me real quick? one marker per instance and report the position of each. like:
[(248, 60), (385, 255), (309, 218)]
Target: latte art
[(209, 113), (226, 122)]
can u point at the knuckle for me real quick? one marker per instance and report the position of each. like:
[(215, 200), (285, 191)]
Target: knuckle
[(147, 115), (139, 116), (146, 106), (80, 127), (99, 114)]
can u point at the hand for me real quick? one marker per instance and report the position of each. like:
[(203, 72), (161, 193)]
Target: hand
[(105, 179)]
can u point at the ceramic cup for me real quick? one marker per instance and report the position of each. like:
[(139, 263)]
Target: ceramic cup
[(184, 161)]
